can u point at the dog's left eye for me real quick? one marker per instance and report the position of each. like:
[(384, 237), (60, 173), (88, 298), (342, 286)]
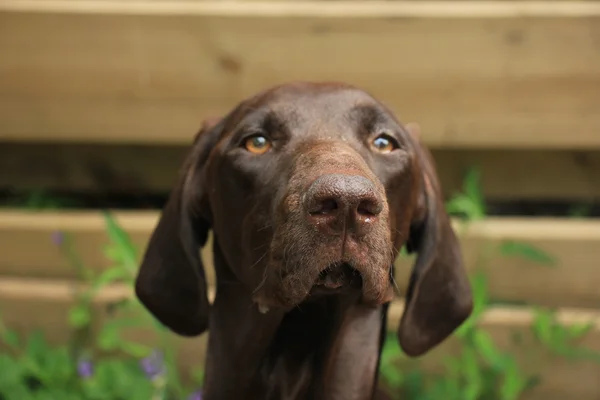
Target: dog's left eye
[(257, 144), (384, 143)]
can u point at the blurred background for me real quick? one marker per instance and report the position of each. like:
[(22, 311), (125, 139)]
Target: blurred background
[(100, 99)]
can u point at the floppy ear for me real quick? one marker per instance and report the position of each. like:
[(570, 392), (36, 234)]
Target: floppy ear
[(439, 296), (171, 282)]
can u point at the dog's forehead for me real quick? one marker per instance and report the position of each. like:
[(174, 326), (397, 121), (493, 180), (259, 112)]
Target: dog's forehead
[(311, 110), (317, 101), (306, 110)]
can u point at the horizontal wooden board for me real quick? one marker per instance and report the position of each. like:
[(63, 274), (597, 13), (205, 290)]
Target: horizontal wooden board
[(137, 170), (473, 74), (28, 251), (303, 8), (28, 305)]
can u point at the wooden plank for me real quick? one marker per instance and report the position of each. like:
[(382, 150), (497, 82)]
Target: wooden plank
[(32, 304), (474, 74), (423, 9), (87, 230), (139, 170), (572, 282)]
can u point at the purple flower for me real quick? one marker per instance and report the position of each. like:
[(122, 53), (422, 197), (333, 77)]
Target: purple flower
[(58, 238), (85, 368), (197, 395), (152, 365)]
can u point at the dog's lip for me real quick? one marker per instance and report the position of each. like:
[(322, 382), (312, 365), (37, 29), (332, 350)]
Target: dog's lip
[(337, 276)]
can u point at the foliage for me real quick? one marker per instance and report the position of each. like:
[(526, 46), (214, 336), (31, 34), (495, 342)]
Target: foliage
[(106, 366), (480, 369), (109, 366)]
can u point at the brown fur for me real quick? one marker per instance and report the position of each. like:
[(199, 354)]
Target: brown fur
[(270, 251)]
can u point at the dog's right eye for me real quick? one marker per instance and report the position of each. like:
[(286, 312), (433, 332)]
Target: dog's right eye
[(384, 144), (257, 144)]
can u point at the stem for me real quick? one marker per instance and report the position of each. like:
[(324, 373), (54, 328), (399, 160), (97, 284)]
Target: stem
[(171, 362)]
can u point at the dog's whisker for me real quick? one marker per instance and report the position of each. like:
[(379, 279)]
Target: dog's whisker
[(260, 247), (262, 282), (259, 260), (264, 227), (393, 279)]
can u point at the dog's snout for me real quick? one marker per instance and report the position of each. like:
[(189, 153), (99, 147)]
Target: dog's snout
[(338, 202)]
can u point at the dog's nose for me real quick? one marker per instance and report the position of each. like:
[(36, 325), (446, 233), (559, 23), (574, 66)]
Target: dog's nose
[(338, 202)]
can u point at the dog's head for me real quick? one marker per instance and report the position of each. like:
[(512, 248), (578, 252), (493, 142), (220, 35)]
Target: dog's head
[(310, 189)]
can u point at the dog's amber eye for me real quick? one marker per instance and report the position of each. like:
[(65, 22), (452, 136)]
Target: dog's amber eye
[(384, 144), (257, 144)]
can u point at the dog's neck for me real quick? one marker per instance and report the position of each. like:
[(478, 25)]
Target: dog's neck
[(303, 354)]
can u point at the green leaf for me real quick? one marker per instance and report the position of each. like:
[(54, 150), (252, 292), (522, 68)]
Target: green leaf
[(109, 276), (480, 302), (577, 331), (197, 375), (80, 316), (404, 252), (513, 384), (414, 384), (12, 372), (470, 203), (461, 205), (512, 248), (390, 373), (125, 322), (472, 188), (485, 346), (136, 350), (109, 338), (471, 370), (59, 366), (542, 326), (126, 250), (391, 350), (36, 345), (10, 338)]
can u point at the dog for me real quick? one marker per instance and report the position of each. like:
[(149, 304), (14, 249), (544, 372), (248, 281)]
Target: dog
[(310, 190)]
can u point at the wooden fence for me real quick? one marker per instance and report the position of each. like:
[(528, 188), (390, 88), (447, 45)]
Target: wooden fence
[(102, 96)]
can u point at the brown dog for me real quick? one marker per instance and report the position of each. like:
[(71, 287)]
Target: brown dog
[(310, 191)]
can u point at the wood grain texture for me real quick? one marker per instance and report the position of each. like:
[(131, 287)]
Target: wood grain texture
[(474, 74), (29, 304), (573, 281)]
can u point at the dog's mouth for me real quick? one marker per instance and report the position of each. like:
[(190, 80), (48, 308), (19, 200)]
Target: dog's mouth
[(337, 277)]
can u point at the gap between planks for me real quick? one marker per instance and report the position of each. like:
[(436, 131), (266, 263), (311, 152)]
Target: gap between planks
[(145, 221)]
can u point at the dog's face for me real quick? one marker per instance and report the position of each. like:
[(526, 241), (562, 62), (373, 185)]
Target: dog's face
[(310, 190)]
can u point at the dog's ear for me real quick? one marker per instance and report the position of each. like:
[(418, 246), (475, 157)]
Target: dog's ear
[(439, 298), (171, 281)]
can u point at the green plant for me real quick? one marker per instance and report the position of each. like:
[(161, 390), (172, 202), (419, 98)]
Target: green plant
[(35, 370), (580, 210), (480, 370), (106, 365), (38, 200)]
